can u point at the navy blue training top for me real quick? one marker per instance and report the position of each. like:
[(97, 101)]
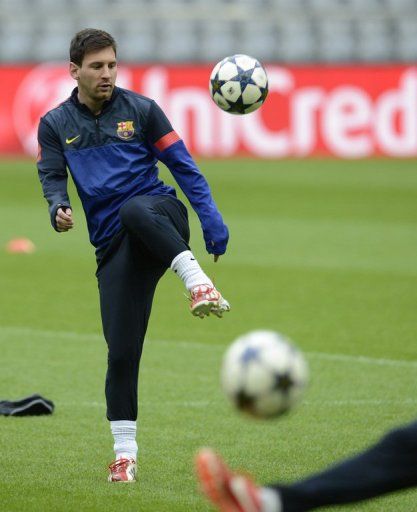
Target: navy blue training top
[(113, 157)]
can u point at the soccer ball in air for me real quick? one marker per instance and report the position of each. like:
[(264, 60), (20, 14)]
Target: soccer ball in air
[(238, 84), (264, 374)]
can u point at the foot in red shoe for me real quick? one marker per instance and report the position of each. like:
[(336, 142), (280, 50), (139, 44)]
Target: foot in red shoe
[(206, 299), (228, 491), (122, 470)]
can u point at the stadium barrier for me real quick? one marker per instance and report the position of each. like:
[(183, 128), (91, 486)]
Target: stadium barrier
[(340, 111)]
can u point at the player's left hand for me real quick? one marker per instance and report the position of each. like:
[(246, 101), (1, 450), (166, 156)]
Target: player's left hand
[(63, 219)]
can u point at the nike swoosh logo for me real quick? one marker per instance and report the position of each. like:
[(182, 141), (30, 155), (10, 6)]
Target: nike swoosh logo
[(70, 141)]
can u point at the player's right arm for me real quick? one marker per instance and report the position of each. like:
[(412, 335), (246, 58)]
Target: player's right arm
[(53, 176)]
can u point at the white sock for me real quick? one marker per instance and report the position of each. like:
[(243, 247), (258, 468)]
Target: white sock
[(124, 433), (270, 500), (188, 269)]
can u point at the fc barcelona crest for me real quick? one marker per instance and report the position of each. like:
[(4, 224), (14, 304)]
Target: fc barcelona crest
[(125, 130)]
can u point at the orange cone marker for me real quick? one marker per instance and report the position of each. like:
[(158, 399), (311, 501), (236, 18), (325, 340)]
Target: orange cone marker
[(20, 246)]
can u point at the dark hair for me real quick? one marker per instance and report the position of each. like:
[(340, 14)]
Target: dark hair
[(89, 40)]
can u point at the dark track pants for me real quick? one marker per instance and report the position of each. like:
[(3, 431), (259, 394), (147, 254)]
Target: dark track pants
[(155, 230), (388, 466)]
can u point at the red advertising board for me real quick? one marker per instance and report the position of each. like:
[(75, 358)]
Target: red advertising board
[(349, 112)]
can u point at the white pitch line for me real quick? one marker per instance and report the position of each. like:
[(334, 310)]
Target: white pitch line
[(198, 404), (325, 356), (25, 331), (345, 358), (360, 402), (193, 404)]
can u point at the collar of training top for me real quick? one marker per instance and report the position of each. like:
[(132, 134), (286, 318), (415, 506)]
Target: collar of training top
[(84, 108)]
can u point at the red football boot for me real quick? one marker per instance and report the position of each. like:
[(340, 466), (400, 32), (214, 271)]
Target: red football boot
[(228, 491), (122, 470), (206, 299)]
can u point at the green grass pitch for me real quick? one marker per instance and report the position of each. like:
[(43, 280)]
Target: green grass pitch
[(323, 251)]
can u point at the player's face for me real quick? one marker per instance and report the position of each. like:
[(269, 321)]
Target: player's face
[(96, 76)]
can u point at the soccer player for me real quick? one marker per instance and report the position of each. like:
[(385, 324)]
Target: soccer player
[(110, 139), (388, 466)]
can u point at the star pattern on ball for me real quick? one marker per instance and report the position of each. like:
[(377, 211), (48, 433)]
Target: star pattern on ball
[(216, 84), (249, 354), (244, 401), (244, 77), (264, 94), (283, 382)]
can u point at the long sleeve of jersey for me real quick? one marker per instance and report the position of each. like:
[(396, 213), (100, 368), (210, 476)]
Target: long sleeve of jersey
[(171, 151), (52, 170)]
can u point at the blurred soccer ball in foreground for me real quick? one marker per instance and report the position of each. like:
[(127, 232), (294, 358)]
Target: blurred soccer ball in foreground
[(238, 84), (263, 374)]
